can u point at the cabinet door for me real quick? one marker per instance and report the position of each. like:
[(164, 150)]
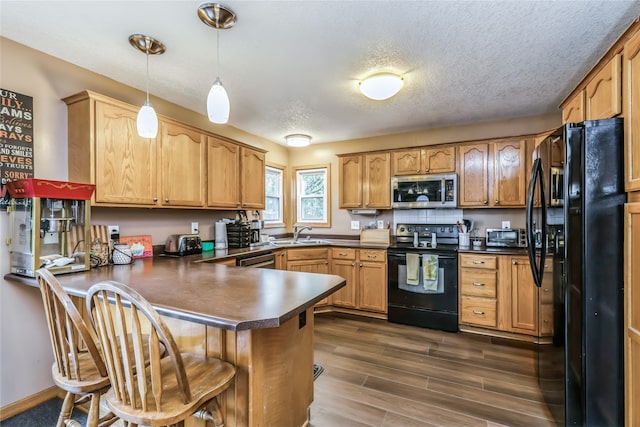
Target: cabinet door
[(223, 163), (311, 266), (509, 173), (377, 173), (631, 74), (632, 312), (372, 281), (573, 112), (602, 94), (183, 165), (474, 175), (524, 298), (350, 173), (439, 159), (346, 296), (125, 164), (407, 162), (252, 169), (281, 259)]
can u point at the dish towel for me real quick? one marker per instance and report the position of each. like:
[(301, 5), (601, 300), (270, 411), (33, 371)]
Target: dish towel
[(430, 272), (413, 269)]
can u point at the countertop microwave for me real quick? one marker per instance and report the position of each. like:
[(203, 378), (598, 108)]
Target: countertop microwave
[(424, 191)]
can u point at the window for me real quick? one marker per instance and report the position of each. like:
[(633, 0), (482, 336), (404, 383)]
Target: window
[(313, 196), (274, 200)]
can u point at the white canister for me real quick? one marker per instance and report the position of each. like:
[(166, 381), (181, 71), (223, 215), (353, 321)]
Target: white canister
[(220, 241), (122, 254), (464, 239)]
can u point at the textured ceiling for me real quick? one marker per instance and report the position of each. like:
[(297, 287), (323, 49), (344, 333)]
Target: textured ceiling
[(293, 66)]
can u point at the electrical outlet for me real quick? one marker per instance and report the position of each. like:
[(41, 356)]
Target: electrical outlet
[(194, 228), (380, 223), (114, 232), (355, 225), (506, 224)]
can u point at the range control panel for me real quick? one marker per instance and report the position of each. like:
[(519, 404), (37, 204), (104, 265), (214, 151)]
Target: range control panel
[(445, 233)]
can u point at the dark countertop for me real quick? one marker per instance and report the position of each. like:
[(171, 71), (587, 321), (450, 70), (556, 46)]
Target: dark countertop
[(226, 297)]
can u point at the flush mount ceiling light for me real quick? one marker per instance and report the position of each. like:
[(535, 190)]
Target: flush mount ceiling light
[(381, 86), (147, 122), (297, 140), (219, 17)]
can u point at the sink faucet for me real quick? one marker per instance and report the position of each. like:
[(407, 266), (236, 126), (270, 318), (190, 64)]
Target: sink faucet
[(297, 230)]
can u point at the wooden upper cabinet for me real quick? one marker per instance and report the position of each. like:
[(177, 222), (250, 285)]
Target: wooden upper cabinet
[(603, 92), (223, 187), (474, 175), (350, 176), (105, 150), (183, 164), (406, 162), (439, 159), (252, 178), (423, 161), (631, 77), (377, 181), (509, 173), (573, 111)]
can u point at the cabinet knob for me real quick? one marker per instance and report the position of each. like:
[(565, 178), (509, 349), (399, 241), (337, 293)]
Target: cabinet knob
[(485, 202), (426, 170), (166, 200), (417, 170), (514, 262), (237, 203), (545, 290), (353, 264), (497, 202), (478, 284), (546, 322), (480, 313), (155, 199), (360, 265)]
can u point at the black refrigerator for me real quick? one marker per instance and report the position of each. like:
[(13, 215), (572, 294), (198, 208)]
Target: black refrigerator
[(581, 373)]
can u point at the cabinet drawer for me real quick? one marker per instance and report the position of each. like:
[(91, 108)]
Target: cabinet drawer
[(479, 261), (372, 255), (343, 253), (478, 311), (479, 283), (307, 253), (546, 319)]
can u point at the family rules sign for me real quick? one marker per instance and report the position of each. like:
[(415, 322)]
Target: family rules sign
[(16, 140)]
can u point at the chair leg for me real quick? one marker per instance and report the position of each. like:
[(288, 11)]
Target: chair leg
[(67, 408), (218, 420), (94, 410)]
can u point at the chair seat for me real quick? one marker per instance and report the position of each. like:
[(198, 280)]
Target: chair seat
[(207, 377), (90, 380)]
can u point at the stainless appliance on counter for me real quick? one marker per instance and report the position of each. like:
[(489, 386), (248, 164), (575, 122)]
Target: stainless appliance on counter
[(506, 237), (256, 228), (424, 191), (423, 278), (581, 374), (183, 244)]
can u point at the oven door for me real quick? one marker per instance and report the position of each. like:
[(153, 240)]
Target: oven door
[(436, 295)]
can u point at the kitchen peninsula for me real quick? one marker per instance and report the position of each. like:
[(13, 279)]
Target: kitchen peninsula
[(260, 320)]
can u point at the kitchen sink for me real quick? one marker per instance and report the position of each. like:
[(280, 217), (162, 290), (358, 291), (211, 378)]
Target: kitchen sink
[(289, 242)]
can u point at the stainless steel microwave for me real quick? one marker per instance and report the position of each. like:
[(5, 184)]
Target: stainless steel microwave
[(424, 191)]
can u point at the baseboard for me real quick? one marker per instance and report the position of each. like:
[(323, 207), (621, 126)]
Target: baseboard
[(29, 402)]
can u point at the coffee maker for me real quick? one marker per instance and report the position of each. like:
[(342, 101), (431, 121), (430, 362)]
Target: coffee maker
[(256, 226)]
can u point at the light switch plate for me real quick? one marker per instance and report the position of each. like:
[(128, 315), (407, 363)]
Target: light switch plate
[(506, 224), (355, 225)]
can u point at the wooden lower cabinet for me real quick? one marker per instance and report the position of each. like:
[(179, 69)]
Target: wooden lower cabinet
[(497, 292), (309, 260), (632, 310), (365, 271)]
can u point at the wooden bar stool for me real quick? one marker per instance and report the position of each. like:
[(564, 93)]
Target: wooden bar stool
[(150, 390), (78, 367)]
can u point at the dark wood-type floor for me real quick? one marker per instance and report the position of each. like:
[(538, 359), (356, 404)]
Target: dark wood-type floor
[(384, 374)]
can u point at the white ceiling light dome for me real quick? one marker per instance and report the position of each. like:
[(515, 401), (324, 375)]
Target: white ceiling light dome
[(381, 86), (298, 140)]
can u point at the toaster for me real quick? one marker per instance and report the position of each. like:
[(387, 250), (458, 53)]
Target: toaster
[(183, 244)]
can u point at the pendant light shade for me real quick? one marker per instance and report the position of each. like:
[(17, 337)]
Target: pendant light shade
[(218, 103), (147, 121), (219, 17), (381, 86)]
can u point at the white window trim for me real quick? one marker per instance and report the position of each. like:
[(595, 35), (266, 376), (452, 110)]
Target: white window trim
[(326, 221), (281, 221)]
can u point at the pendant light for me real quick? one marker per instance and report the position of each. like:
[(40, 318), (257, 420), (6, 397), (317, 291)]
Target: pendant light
[(147, 122), (219, 17), (381, 86)]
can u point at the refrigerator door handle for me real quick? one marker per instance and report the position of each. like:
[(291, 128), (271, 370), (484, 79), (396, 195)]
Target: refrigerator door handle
[(537, 268)]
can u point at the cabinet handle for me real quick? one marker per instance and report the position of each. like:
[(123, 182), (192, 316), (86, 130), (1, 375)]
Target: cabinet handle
[(485, 202), (478, 284), (372, 256), (546, 322), (478, 312), (545, 290), (342, 254), (478, 262), (155, 199)]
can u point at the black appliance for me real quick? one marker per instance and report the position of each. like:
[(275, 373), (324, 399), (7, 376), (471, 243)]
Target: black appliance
[(420, 297), (581, 374), (239, 235)]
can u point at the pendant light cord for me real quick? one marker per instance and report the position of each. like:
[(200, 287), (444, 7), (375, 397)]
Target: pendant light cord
[(217, 47), (147, 51)]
